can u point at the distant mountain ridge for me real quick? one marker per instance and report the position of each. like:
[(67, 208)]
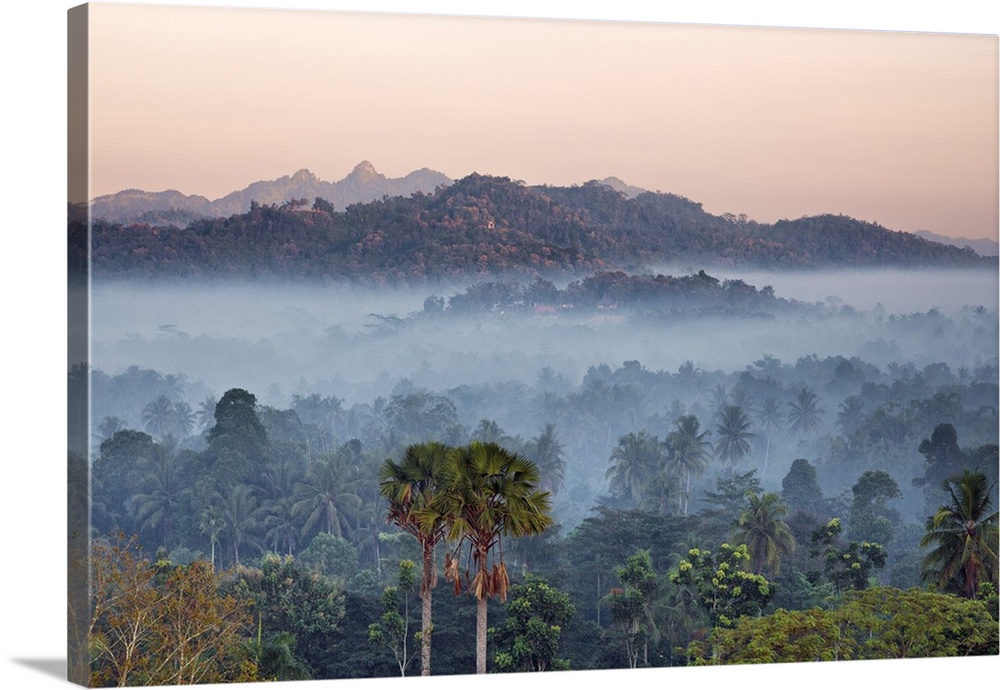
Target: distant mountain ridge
[(983, 246), (362, 185)]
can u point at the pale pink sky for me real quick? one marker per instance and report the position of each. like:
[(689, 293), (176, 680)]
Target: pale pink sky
[(897, 128)]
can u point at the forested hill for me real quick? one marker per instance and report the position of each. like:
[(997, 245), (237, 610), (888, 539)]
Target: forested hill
[(483, 225)]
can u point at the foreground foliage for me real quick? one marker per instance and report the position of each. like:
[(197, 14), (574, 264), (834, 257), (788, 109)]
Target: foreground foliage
[(878, 623), (155, 624)]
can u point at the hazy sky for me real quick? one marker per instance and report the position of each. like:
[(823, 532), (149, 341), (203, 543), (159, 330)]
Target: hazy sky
[(897, 128)]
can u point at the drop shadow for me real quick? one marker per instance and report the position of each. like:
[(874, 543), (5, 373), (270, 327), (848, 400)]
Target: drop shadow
[(50, 667)]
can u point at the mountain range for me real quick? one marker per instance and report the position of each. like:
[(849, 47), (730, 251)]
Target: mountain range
[(171, 207), (983, 246)]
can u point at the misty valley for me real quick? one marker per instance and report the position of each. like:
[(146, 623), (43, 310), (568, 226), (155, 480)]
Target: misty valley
[(722, 456)]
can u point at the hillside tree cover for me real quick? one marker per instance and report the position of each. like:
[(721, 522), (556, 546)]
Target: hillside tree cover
[(493, 226)]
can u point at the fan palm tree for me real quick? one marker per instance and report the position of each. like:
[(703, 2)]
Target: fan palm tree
[(687, 454), (489, 493), (410, 486), (733, 431), (764, 532), (964, 536)]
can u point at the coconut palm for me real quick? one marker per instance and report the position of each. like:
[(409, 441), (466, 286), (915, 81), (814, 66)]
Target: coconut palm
[(409, 486), (158, 416), (733, 430), (764, 532), (160, 496), (489, 493), (804, 411), (205, 414), (850, 414), (634, 463), (212, 522), (546, 452), (768, 417), (964, 536), (719, 397), (183, 419), (282, 530), (687, 454), (326, 498), (243, 518)]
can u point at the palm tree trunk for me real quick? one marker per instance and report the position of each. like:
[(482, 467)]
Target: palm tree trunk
[(425, 610), (481, 635), (767, 453)]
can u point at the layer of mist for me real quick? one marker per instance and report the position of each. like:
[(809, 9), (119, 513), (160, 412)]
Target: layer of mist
[(359, 342)]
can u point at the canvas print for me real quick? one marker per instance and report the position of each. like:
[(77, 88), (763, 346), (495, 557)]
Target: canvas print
[(410, 345)]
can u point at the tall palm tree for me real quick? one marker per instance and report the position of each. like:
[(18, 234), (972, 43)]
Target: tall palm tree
[(719, 397), (764, 532), (205, 414), (212, 522), (850, 414), (489, 493), (326, 498), (157, 416), (546, 452), (183, 419), (733, 430), (964, 535), (243, 517), (634, 463), (804, 411), (159, 500), (687, 454), (410, 486), (768, 417), (282, 530)]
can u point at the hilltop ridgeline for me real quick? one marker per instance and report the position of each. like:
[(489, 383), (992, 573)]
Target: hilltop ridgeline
[(490, 226)]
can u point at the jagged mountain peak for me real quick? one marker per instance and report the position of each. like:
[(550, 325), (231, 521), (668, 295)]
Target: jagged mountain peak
[(620, 185), (365, 169)]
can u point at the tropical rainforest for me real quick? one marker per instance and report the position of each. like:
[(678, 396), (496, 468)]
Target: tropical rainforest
[(485, 465)]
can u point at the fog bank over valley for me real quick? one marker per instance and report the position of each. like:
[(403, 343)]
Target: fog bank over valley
[(359, 341), (899, 291)]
